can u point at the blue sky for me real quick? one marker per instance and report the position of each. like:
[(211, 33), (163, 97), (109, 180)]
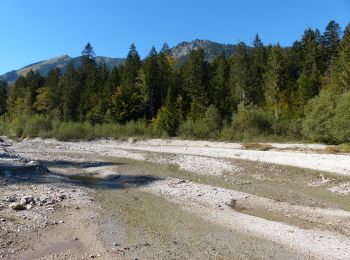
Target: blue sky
[(41, 29)]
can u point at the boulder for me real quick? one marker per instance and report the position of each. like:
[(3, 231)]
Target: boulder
[(17, 206), (26, 200)]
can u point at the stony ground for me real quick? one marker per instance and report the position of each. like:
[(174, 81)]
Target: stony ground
[(172, 199)]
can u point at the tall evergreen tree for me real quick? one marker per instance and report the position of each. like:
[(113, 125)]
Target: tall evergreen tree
[(257, 69), (167, 71), (219, 87), (330, 40), (70, 86), (274, 78), (3, 97), (341, 68), (239, 75), (152, 83), (309, 79), (195, 78), (128, 100)]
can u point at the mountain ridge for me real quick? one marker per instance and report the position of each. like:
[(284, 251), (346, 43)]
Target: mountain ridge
[(179, 51)]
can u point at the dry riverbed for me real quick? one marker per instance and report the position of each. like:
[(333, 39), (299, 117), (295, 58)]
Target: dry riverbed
[(172, 199)]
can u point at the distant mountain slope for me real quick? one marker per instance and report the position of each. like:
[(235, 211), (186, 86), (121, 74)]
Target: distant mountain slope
[(61, 62), (180, 52), (211, 49)]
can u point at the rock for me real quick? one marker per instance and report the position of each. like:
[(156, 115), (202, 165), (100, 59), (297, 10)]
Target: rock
[(62, 196), (75, 238), (17, 206), (29, 206), (26, 200), (10, 199), (32, 163)]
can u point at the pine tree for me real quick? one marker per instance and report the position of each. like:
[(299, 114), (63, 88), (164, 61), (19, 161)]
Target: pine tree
[(167, 71), (34, 82), (3, 97), (219, 87), (341, 68), (128, 102), (256, 71), (195, 75), (309, 79), (152, 83), (330, 40), (88, 74), (239, 74), (88, 54), (274, 78), (165, 49), (70, 86)]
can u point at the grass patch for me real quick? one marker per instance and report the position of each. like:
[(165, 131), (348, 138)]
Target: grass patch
[(342, 148), (257, 146)]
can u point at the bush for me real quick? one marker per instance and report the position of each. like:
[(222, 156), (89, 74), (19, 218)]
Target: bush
[(213, 119), (252, 120), (257, 146), (341, 121), (73, 131), (186, 129), (37, 125), (320, 111), (204, 127), (166, 122)]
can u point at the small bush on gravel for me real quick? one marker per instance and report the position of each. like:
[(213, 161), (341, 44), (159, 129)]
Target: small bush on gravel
[(37, 125), (320, 112), (257, 146), (251, 120), (341, 121)]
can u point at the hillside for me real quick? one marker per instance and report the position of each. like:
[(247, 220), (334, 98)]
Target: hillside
[(180, 52)]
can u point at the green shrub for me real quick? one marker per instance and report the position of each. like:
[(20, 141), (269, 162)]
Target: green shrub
[(257, 146), (73, 131), (319, 113), (37, 125), (203, 127), (341, 121), (213, 119), (166, 122), (186, 129), (251, 120), (16, 126)]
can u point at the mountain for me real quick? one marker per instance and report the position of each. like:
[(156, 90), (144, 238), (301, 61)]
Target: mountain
[(211, 49), (61, 62), (180, 52)]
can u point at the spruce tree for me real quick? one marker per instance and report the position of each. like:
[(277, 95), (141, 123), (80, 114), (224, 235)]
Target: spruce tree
[(274, 78), (330, 40), (152, 84), (219, 87), (256, 71), (195, 75), (239, 74), (70, 86), (3, 97), (341, 68)]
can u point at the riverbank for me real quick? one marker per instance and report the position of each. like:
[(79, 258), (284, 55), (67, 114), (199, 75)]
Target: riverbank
[(165, 197)]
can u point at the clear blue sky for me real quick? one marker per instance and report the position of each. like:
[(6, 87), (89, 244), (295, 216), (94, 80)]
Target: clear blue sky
[(40, 29)]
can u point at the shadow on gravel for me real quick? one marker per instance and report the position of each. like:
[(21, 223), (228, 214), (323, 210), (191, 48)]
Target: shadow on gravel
[(86, 164), (29, 174)]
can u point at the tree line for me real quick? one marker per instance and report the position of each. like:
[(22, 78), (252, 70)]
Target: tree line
[(300, 91)]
